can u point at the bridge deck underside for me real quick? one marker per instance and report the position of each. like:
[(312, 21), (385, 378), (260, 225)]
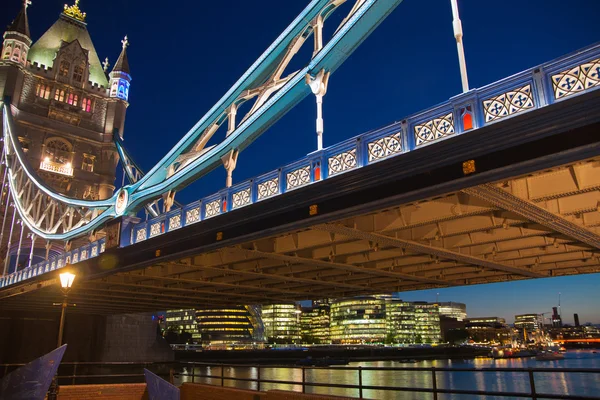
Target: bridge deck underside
[(545, 224)]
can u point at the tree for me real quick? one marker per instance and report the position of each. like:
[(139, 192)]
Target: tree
[(389, 338)]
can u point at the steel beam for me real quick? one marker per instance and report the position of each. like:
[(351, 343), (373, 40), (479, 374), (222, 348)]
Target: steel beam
[(425, 249), (501, 198)]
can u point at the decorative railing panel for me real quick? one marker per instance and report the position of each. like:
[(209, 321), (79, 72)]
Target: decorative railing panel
[(212, 208), (384, 147), (509, 103), (342, 162), (298, 178), (241, 198), (268, 188), (434, 129), (575, 80)]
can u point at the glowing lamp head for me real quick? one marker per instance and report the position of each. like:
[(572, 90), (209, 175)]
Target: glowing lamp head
[(66, 279), (68, 165), (47, 159)]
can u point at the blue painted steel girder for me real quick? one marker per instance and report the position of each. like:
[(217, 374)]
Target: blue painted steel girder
[(334, 53)]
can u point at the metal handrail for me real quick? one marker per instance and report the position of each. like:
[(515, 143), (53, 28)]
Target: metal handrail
[(360, 387), (434, 390)]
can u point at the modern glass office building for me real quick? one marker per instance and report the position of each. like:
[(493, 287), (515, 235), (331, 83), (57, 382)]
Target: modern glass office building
[(530, 322), (453, 310), (427, 322), (183, 321), (358, 320), (315, 324), (400, 322), (229, 326), (281, 323)]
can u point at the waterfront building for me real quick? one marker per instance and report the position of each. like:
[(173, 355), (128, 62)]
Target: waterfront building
[(315, 324), (530, 327), (530, 322), (454, 310), (281, 323), (66, 107), (488, 330), (181, 321), (358, 320), (229, 327), (448, 325), (400, 319), (427, 322)]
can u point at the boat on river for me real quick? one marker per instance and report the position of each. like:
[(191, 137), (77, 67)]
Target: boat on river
[(549, 356)]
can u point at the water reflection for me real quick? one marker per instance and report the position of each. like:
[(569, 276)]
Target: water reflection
[(516, 382)]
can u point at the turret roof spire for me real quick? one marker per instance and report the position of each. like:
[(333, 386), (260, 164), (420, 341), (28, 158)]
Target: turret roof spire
[(21, 23), (122, 63)]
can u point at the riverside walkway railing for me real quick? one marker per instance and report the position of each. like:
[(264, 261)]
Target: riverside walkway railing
[(124, 372)]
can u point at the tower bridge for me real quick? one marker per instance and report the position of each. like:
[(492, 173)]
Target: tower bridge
[(499, 183)]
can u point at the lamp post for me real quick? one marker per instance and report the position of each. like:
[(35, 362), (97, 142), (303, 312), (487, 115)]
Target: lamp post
[(66, 282)]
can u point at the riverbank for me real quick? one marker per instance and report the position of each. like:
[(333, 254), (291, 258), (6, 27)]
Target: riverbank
[(291, 356)]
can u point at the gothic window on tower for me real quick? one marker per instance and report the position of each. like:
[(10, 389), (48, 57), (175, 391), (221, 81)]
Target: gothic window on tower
[(42, 91), (59, 95), (122, 91), (57, 157), (7, 51), (73, 99), (16, 53), (115, 87), (86, 104), (78, 73), (88, 163), (64, 68)]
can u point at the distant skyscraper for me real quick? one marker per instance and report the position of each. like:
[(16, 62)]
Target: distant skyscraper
[(453, 310), (556, 320), (576, 317)]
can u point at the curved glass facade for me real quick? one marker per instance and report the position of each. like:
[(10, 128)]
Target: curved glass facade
[(234, 325), (358, 320)]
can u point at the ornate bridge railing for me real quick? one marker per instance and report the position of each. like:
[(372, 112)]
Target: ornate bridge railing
[(529, 90)]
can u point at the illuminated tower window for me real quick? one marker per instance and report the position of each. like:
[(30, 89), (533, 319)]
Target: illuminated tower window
[(64, 68), (59, 95), (86, 104), (78, 73)]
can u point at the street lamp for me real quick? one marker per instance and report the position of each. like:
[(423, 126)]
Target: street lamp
[(66, 282)]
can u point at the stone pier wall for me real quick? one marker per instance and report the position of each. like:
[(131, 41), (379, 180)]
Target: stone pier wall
[(127, 338)]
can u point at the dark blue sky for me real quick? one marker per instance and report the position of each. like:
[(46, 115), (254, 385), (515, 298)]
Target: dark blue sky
[(184, 56)]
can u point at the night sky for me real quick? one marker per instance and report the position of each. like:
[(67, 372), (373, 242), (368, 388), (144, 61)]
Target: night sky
[(184, 56)]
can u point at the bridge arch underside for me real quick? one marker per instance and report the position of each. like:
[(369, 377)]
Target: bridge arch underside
[(530, 210)]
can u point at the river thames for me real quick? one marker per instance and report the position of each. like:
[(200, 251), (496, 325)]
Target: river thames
[(556, 383)]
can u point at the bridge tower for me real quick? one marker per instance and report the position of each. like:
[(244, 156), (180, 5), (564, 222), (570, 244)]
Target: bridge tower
[(65, 115)]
